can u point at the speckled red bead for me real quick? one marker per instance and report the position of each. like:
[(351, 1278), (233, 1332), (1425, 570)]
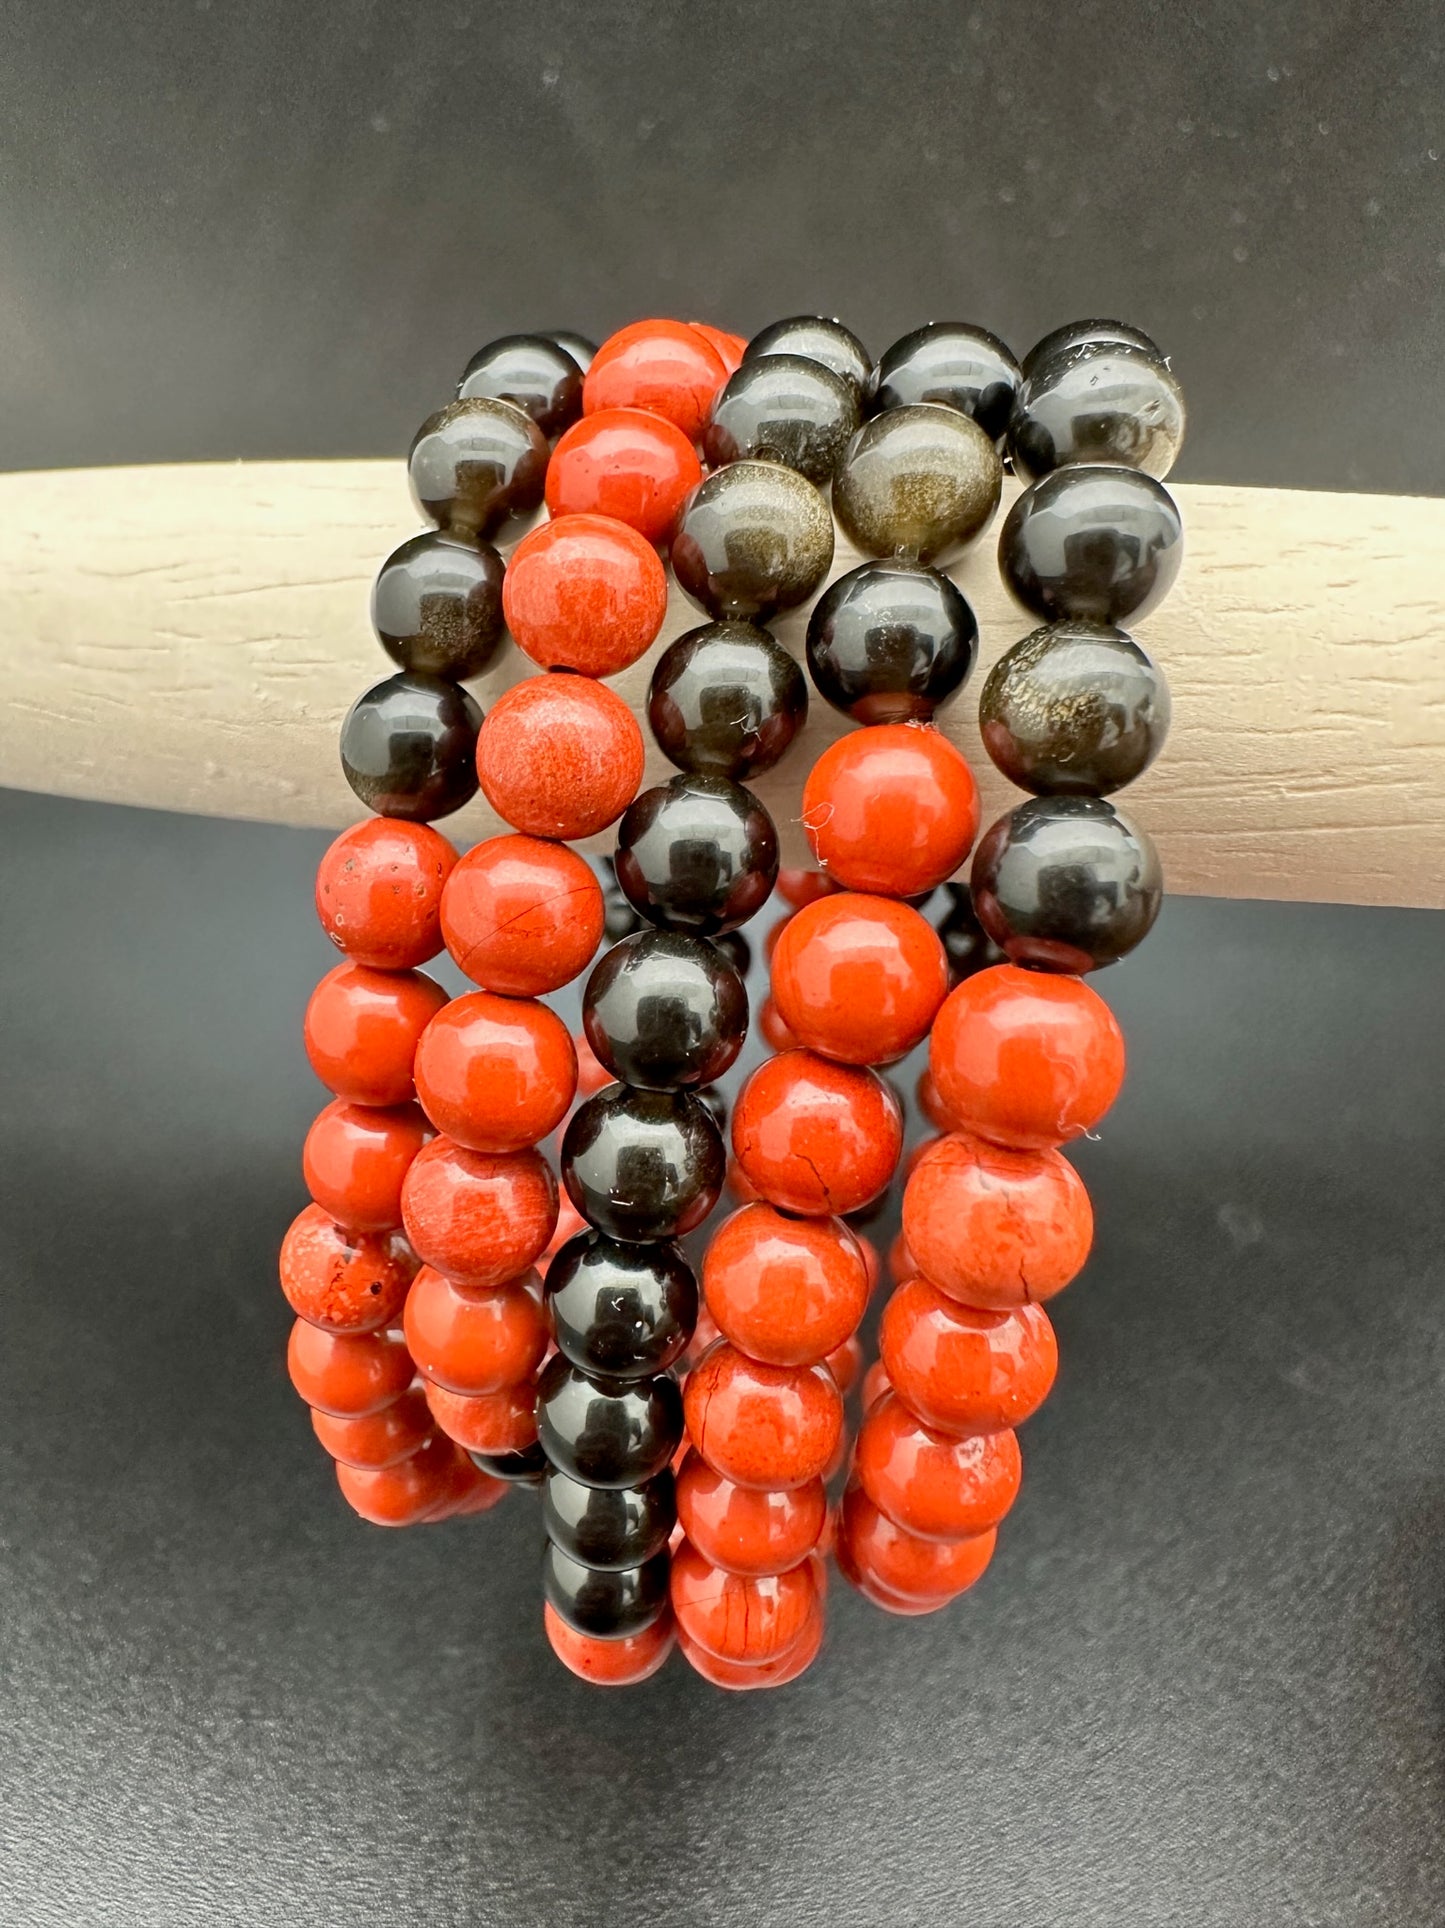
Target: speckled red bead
[(362, 1028), (347, 1374), (379, 892), (858, 978), (741, 1617), (743, 1677), (344, 1281), (963, 1370), (785, 1290), (481, 1217), (904, 1564), (760, 1425), (380, 1438), (410, 1491), (610, 1663), (475, 1339), (559, 756), (496, 1073), (930, 1483), (816, 1137), (584, 592), (522, 916)]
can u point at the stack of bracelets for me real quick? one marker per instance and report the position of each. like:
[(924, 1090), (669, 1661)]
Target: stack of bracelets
[(684, 1452)]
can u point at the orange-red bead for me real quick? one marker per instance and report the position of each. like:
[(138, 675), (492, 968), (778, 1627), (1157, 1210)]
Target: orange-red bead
[(343, 1281), (496, 1073), (930, 1483), (667, 367), (376, 1439), (893, 809), (559, 756), (742, 1617), (859, 978), (741, 1677), (845, 1362), (362, 1028), (743, 1529), (379, 892), (483, 1217), (773, 1029), (404, 1494), (902, 1265), (592, 1075), (347, 1374), (626, 464), (491, 1422), (1025, 1058), (802, 886), (610, 1663), (785, 1290), (355, 1158), (875, 1384), (475, 1339), (522, 916), (994, 1227), (730, 348), (903, 1564), (816, 1137), (761, 1425), (470, 1491), (963, 1370), (585, 592), (929, 1102)]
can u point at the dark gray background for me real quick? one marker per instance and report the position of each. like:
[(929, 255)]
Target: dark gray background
[(1202, 1682)]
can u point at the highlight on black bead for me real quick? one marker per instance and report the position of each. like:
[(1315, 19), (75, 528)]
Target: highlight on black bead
[(478, 466), (436, 605), (819, 338), (891, 642), (609, 1528), (1075, 708), (607, 1604), (783, 408), (665, 1011), (1100, 402), (408, 747), (535, 373), (621, 1310), (697, 854), (1100, 544), (955, 363), (642, 1165), (607, 1432), (726, 700)]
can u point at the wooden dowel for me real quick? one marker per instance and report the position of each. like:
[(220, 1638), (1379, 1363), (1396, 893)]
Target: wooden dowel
[(190, 637)]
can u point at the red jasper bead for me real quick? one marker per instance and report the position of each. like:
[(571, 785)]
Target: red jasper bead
[(471, 1492), (475, 1339), (744, 1530), (863, 1582), (362, 1028), (521, 916), (559, 756), (784, 1290), (774, 1031), (666, 367), (859, 978), (491, 1422), (875, 1385), (893, 809), (1025, 1058), (610, 1663), (904, 1564), (626, 464), (730, 349), (347, 1374), (404, 1494), (355, 1158), (902, 1265), (343, 1281), (584, 593), (482, 1217), (966, 1370), (871, 1263), (760, 1425), (376, 1439), (496, 1073), (742, 1617), (929, 1102), (739, 1184), (816, 1137), (741, 1677), (845, 1362), (929, 1483), (379, 892), (801, 886), (993, 1227), (592, 1075)]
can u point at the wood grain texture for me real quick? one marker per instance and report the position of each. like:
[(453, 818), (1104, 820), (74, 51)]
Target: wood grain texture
[(190, 637)]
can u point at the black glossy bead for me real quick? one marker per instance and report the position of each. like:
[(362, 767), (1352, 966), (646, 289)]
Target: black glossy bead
[(665, 1011), (621, 1311), (607, 1432), (754, 538), (526, 1467), (783, 408), (919, 482), (818, 338), (577, 346), (608, 1528), (533, 373), (437, 605), (1103, 544), (1066, 883), (1081, 334), (606, 1605), (619, 919), (737, 950), (950, 362), (1074, 709), (726, 700), (477, 466), (408, 747), (717, 1104), (697, 854), (891, 642), (642, 1165), (966, 944), (1097, 403)]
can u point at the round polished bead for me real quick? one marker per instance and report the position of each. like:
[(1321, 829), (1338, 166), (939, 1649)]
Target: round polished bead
[(735, 1676), (412, 1490), (355, 1158), (437, 605), (697, 854), (816, 1137), (560, 756), (745, 1530), (1025, 1058), (527, 1466), (819, 338), (478, 467), (643, 1165), (379, 892), (347, 1374), (740, 1617), (902, 1562), (783, 408), (1067, 883), (966, 1369), (859, 978), (755, 538), (1088, 334), (1100, 544), (408, 747), (993, 1227), (376, 1439), (891, 642), (736, 949), (952, 363), (496, 1073), (1100, 402), (475, 1339), (492, 1423), (611, 1605), (966, 944), (730, 348), (585, 593), (534, 373), (621, 1311), (607, 1432), (580, 347), (521, 915), (773, 1028), (1075, 709), (610, 1663), (761, 1425), (665, 1011), (891, 810), (609, 1527), (619, 918), (726, 700), (626, 464), (667, 368), (480, 1217), (785, 1290), (340, 1280), (801, 886), (362, 1028), (918, 482)]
